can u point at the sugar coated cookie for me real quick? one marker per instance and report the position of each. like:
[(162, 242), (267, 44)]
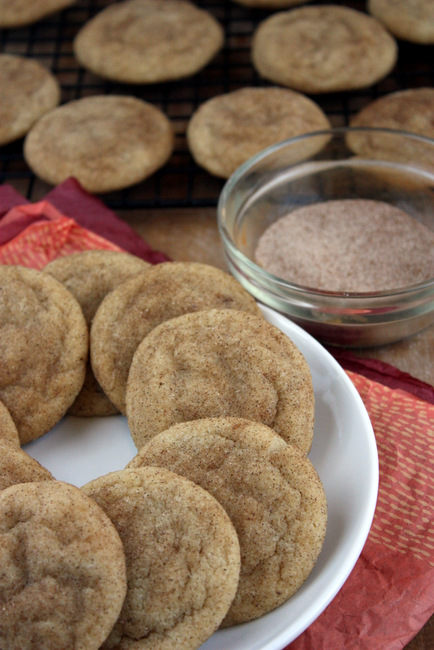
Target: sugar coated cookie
[(405, 110), (134, 308), (8, 430), (410, 110), (16, 466), (90, 276), (182, 553), (16, 13), (107, 142), (228, 129), (43, 349), (29, 91), (269, 489), (219, 363), (410, 20), (324, 48), (148, 41), (63, 569)]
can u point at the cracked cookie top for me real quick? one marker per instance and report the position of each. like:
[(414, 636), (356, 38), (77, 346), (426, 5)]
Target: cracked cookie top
[(183, 558), (269, 489), (63, 569)]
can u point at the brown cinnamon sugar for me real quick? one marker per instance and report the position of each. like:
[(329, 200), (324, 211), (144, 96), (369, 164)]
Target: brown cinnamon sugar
[(354, 245)]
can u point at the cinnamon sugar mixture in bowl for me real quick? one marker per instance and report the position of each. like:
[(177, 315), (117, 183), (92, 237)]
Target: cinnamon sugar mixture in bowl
[(341, 242), (356, 245)]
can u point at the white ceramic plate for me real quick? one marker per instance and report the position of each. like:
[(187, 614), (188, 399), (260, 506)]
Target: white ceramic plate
[(344, 453)]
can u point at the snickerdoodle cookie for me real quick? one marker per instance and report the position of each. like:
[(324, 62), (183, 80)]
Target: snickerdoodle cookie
[(134, 308), (63, 569), (405, 110), (107, 142), (16, 13), (410, 20), (16, 466), (148, 41), (410, 110), (218, 363), (182, 553), (8, 430), (43, 349), (90, 276), (28, 90), (324, 48), (228, 129), (269, 489)]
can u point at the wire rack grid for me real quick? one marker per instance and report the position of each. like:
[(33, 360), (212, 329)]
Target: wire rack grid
[(180, 183)]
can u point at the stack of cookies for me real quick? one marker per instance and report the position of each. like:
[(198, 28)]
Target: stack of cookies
[(218, 519)]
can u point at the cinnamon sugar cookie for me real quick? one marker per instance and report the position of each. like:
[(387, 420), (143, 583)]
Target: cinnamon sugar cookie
[(28, 90), (90, 276), (406, 110), (132, 310), (107, 142), (228, 129), (16, 13), (8, 430), (219, 363), (148, 41), (63, 569), (271, 493), (324, 48), (410, 20), (183, 558), (16, 466), (410, 110), (43, 349)]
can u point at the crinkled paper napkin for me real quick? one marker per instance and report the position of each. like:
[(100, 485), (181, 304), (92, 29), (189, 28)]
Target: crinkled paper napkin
[(389, 595), (80, 219)]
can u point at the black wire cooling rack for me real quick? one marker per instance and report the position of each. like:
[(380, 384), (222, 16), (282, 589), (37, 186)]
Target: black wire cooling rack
[(181, 183)]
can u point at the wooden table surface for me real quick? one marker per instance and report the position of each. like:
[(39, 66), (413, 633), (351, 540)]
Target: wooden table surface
[(192, 235)]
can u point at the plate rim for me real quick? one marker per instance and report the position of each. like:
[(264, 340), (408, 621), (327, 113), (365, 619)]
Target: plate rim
[(283, 638)]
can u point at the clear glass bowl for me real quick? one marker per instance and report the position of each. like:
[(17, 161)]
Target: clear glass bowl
[(343, 163)]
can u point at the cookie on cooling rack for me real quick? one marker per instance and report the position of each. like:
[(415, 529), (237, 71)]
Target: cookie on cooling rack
[(271, 492), (16, 466), (139, 41), (43, 349), (28, 91), (17, 13), (107, 142), (409, 110), (228, 129), (63, 568), (324, 48), (134, 308), (182, 553), (218, 363), (8, 430), (410, 21), (90, 276)]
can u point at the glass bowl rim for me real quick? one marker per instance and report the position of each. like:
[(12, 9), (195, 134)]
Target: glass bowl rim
[(259, 273)]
